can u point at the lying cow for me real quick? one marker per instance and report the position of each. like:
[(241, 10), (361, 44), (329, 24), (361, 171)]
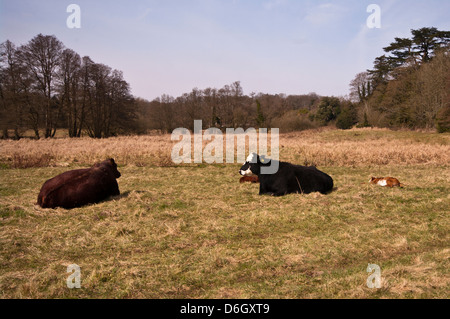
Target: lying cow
[(81, 186), (288, 178)]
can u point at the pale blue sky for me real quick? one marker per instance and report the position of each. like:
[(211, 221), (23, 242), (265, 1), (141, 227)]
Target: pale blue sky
[(271, 46)]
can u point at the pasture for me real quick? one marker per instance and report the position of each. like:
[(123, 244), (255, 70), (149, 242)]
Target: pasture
[(193, 231)]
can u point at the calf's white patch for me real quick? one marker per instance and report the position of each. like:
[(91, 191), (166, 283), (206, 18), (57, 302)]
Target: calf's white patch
[(382, 182)]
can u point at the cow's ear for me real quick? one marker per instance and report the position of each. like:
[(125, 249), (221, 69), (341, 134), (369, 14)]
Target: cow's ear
[(252, 158)]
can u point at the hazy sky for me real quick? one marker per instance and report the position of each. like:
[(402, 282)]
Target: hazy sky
[(271, 46)]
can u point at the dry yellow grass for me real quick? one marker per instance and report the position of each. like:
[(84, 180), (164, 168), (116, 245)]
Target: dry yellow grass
[(133, 150), (354, 148), (365, 147)]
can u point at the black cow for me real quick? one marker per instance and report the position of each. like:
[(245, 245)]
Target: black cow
[(81, 186), (289, 178)]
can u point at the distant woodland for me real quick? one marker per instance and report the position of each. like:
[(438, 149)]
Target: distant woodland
[(45, 87)]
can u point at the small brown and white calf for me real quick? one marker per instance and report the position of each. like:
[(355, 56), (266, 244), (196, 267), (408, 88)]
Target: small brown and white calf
[(385, 181)]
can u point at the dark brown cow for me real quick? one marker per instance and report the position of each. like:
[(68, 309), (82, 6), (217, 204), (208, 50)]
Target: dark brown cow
[(251, 179), (81, 186)]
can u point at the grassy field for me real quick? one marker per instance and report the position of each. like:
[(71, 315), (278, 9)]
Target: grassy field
[(192, 231)]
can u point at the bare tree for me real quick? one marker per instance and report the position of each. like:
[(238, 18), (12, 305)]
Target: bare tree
[(236, 103), (11, 113), (42, 56), (224, 109), (193, 106), (96, 111), (211, 100), (360, 87), (70, 72), (86, 91), (18, 100), (121, 110)]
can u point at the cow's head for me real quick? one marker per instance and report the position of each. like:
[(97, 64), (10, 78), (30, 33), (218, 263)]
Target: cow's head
[(252, 165), (111, 165), (114, 167)]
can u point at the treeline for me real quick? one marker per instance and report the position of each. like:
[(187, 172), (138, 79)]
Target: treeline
[(227, 107), (45, 86), (409, 86)]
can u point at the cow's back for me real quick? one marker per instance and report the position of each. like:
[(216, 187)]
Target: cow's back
[(55, 183), (77, 188), (310, 179), (318, 180)]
